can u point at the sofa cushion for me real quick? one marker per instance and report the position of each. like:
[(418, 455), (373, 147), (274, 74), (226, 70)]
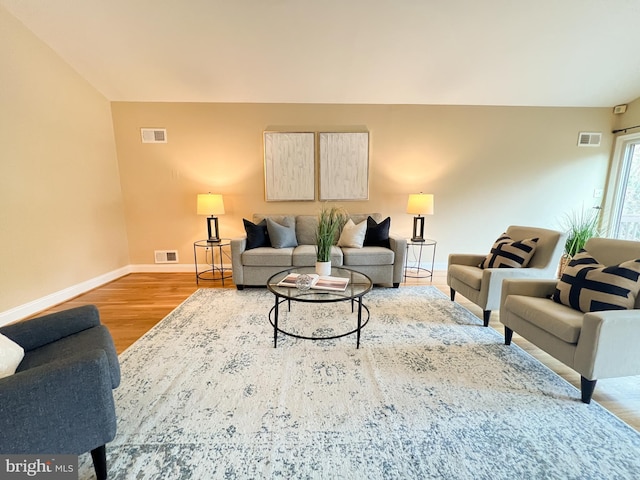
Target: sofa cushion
[(306, 226), (257, 234), (377, 233), (588, 286), (509, 253), (558, 320), (467, 274), (305, 256), (367, 256), (267, 257), (352, 235), (11, 354), (283, 234)]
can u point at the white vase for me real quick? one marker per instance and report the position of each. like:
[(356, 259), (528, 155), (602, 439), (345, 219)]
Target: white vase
[(323, 268)]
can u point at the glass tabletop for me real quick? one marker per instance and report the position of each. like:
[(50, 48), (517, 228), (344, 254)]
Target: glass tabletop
[(358, 284)]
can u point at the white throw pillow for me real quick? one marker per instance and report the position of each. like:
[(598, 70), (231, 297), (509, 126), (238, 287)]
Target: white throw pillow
[(353, 235), (11, 354)]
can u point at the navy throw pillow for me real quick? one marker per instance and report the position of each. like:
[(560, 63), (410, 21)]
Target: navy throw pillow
[(377, 233), (257, 235)]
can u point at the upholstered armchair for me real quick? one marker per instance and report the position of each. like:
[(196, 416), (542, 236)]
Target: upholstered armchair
[(60, 400), (483, 286), (596, 344)]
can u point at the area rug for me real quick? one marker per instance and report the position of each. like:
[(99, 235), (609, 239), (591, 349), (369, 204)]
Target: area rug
[(430, 393)]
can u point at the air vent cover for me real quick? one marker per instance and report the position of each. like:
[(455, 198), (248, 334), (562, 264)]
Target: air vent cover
[(589, 139), (166, 256), (154, 135)]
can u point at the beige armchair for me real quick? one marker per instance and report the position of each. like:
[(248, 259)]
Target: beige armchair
[(596, 345), (484, 286)]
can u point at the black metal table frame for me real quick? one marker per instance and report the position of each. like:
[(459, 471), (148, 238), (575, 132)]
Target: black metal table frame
[(416, 269), (221, 270), (280, 299)]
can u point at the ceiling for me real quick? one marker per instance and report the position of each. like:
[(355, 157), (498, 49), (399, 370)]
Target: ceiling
[(453, 52)]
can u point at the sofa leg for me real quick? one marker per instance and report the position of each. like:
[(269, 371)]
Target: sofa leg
[(486, 315), (508, 334), (452, 292), (587, 387), (240, 287), (396, 285), (99, 456)]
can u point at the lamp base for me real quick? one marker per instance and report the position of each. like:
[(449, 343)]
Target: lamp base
[(418, 229), (212, 230)]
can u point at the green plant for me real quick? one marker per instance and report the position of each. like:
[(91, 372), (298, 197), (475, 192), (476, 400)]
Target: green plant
[(580, 226), (330, 221)]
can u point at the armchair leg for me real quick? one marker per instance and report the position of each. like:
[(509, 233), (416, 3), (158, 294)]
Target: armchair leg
[(587, 387), (99, 456), (452, 292), (486, 314), (508, 334)]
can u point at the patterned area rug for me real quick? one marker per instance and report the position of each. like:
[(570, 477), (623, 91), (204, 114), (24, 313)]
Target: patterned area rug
[(429, 394)]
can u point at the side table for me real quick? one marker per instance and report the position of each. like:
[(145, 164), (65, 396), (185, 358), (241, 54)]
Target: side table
[(416, 270), (217, 270)]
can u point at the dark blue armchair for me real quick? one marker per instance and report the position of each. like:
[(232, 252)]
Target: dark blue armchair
[(60, 400)]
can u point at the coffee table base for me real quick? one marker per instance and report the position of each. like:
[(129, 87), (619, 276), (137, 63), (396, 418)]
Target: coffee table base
[(273, 319)]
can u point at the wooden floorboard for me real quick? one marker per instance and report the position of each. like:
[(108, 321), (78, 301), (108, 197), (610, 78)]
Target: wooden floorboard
[(131, 305)]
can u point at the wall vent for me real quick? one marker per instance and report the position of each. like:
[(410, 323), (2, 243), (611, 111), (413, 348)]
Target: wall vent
[(589, 139), (153, 135), (166, 256)]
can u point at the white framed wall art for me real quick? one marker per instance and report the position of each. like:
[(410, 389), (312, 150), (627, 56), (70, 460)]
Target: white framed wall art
[(344, 166), (289, 166)]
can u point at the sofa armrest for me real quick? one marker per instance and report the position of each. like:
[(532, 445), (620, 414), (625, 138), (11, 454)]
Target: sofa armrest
[(238, 246), (36, 332), (608, 344), (470, 259), (398, 244), (65, 406)]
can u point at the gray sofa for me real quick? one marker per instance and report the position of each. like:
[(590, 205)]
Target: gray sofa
[(254, 267)]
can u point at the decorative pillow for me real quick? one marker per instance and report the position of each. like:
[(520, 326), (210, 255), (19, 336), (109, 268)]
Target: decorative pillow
[(377, 233), (588, 286), (507, 253), (257, 235), (11, 354), (353, 235), (282, 236)]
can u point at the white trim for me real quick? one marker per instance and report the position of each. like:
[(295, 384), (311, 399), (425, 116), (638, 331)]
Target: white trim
[(40, 304), (48, 301), (611, 204), (163, 268)]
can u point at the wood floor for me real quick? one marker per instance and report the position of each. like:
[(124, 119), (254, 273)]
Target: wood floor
[(131, 305)]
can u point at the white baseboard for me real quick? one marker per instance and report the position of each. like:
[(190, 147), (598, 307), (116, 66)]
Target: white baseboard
[(172, 268), (40, 304), (48, 301)]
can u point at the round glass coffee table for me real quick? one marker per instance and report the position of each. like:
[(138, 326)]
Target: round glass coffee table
[(358, 285)]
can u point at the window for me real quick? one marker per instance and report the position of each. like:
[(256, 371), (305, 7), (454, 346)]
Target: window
[(624, 203)]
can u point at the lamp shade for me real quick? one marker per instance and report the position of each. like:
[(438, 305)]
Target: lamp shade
[(210, 204), (420, 204)]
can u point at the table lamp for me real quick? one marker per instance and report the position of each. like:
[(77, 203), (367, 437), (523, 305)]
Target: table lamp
[(419, 204), (212, 205)]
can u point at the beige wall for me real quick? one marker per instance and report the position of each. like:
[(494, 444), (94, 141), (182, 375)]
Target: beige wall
[(487, 166), (61, 213), (630, 118)]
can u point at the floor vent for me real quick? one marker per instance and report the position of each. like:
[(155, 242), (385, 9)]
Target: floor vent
[(153, 135), (166, 256), (589, 139)]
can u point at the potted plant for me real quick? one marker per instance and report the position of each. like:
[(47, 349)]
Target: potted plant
[(580, 227), (330, 221)]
